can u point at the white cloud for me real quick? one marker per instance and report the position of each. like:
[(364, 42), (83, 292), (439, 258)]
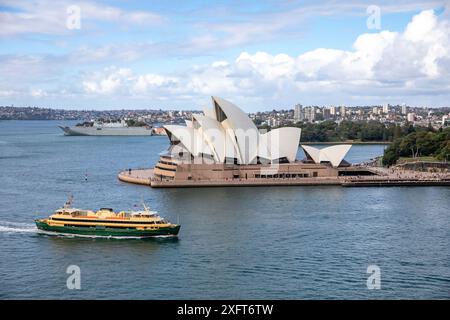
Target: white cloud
[(111, 81), (144, 83), (412, 66), (380, 64), (38, 93), (49, 17), (233, 27)]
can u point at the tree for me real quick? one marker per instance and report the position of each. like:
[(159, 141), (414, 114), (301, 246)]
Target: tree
[(421, 142)]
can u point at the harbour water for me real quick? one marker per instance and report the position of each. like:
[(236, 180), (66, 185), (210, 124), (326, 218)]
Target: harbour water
[(255, 243)]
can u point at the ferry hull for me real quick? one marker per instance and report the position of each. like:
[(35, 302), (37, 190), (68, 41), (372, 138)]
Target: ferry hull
[(108, 232)]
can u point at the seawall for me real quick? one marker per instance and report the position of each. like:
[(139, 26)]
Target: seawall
[(145, 177)]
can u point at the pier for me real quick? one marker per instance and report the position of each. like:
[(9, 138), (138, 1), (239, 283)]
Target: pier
[(382, 177)]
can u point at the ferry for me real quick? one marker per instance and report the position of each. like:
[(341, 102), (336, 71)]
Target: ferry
[(105, 222)]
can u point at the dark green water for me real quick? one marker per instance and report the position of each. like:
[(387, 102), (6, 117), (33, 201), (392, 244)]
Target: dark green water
[(263, 243)]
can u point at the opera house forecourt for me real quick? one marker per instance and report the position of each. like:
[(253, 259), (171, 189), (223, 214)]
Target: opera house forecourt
[(223, 147)]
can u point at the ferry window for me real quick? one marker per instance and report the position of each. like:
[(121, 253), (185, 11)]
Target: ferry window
[(315, 174)]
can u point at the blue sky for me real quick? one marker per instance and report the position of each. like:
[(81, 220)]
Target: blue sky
[(259, 54)]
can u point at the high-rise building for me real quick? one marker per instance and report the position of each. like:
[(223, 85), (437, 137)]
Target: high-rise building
[(342, 111), (386, 108), (404, 110), (333, 110), (313, 113), (326, 113), (310, 114), (298, 110), (411, 117), (375, 110)]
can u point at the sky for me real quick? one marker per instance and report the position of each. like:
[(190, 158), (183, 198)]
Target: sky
[(261, 55)]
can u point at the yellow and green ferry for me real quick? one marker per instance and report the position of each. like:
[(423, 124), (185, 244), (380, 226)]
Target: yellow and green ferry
[(106, 222)]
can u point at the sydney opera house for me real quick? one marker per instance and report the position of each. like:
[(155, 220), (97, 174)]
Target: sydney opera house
[(223, 146)]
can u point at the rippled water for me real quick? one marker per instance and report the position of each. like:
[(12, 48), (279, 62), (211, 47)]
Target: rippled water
[(265, 242)]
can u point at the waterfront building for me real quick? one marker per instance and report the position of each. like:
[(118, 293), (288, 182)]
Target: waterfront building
[(225, 133), (223, 146)]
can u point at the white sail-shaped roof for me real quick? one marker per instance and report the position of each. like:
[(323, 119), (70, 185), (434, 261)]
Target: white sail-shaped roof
[(241, 126), (333, 154), (282, 143), (209, 112), (314, 153), (225, 133), (215, 135), (183, 134), (189, 137)]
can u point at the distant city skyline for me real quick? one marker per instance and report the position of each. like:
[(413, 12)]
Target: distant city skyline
[(260, 55), (398, 114)]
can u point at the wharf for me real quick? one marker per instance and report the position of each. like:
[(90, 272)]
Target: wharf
[(384, 178)]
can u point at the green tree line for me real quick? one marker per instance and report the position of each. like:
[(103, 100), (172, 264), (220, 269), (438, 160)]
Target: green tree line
[(330, 131), (419, 143)]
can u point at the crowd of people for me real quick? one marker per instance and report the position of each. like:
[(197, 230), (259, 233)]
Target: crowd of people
[(397, 174)]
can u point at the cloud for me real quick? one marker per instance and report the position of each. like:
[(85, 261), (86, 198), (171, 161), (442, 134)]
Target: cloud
[(383, 64), (38, 93), (108, 82), (113, 80), (411, 66), (234, 27), (50, 17)]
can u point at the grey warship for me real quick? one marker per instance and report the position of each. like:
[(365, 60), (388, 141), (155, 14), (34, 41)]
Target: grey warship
[(107, 129)]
